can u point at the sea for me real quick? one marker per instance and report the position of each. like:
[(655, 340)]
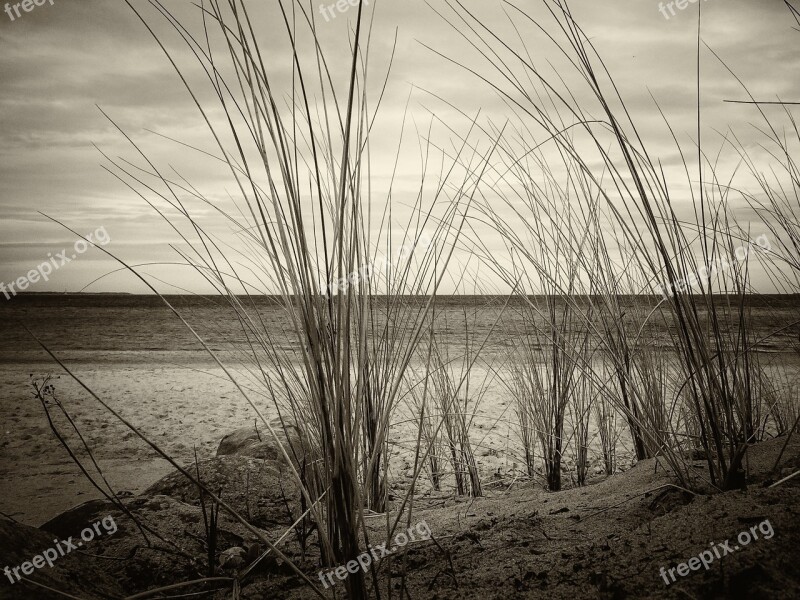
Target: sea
[(135, 355)]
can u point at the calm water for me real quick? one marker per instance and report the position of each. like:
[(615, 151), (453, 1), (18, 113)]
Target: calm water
[(132, 328)]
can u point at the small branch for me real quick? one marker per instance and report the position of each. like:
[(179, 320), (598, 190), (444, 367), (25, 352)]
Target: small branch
[(176, 586), (759, 102), (66, 595), (795, 474)]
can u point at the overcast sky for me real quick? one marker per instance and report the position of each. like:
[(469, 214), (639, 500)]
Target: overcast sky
[(62, 60)]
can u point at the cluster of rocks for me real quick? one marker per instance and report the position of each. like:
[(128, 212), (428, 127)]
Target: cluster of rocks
[(162, 535)]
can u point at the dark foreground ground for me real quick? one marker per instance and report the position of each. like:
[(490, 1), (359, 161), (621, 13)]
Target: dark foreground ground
[(609, 540)]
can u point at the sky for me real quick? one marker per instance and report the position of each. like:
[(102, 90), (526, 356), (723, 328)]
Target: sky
[(69, 68)]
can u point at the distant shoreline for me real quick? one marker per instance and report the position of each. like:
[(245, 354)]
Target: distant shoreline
[(123, 299), (464, 296)]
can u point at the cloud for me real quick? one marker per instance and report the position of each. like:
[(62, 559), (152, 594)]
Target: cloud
[(59, 62)]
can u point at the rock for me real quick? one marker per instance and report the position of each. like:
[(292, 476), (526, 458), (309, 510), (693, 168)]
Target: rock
[(261, 443), (245, 442), (259, 490), (74, 520)]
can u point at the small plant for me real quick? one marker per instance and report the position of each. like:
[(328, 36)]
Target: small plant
[(651, 379), (456, 414), (581, 404), (547, 371), (605, 418), (429, 430), (210, 522)]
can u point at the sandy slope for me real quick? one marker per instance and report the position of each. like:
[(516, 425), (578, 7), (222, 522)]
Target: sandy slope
[(608, 540)]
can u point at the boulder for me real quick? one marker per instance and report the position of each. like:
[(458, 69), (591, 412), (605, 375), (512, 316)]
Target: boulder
[(75, 519), (264, 492), (260, 443), (246, 442)]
